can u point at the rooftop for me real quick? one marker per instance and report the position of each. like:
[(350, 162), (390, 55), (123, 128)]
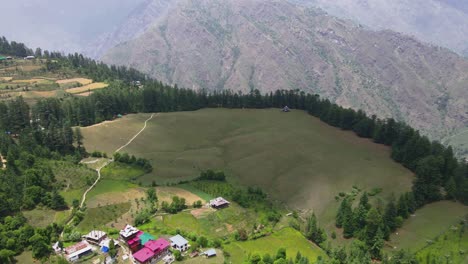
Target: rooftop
[(77, 249), (210, 252), (157, 245), (128, 231), (178, 240), (145, 237), (95, 235), (218, 201), (143, 255)]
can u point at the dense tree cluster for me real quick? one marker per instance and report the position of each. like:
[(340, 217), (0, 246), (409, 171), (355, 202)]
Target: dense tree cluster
[(178, 204), (280, 258), (132, 160), (14, 48), (373, 225), (211, 175)]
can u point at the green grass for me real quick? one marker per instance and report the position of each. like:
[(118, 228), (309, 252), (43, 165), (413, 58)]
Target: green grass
[(196, 191), (287, 238), (452, 246), (40, 217), (107, 186), (429, 222), (120, 171), (218, 224), (100, 216), (295, 157)]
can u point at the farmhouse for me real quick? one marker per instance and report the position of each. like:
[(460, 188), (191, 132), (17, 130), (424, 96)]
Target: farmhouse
[(95, 237), (78, 250), (219, 202), (152, 252), (179, 243), (29, 58)]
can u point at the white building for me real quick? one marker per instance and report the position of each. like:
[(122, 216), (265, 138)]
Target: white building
[(178, 242)]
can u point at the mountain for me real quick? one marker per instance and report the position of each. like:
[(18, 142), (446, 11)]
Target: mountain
[(441, 22), (270, 45), (63, 25)]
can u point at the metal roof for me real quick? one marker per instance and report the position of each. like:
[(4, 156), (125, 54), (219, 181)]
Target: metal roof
[(179, 240)]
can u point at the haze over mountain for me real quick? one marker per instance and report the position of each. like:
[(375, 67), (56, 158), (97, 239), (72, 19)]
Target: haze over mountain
[(63, 25), (270, 45), (442, 22)]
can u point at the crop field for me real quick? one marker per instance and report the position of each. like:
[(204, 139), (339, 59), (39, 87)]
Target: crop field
[(429, 222), (296, 158), (86, 88), (287, 238), (82, 81)]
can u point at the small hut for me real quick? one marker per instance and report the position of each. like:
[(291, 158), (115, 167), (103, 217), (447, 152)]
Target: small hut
[(286, 109)]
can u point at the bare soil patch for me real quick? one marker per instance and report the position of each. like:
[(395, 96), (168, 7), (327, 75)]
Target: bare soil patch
[(166, 194), (202, 212), (116, 198), (87, 88)]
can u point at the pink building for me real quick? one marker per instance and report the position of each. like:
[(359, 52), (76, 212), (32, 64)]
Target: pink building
[(153, 251)]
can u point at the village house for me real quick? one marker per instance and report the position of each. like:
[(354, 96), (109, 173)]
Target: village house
[(95, 237), (131, 235), (219, 203), (179, 243), (78, 250), (152, 252)]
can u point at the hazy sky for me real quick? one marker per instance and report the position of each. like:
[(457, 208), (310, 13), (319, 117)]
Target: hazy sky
[(66, 24)]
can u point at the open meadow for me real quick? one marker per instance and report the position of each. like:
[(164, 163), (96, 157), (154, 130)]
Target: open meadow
[(296, 158), (427, 224)]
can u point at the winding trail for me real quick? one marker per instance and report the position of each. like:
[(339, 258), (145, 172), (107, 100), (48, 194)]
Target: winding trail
[(136, 135), (98, 170)]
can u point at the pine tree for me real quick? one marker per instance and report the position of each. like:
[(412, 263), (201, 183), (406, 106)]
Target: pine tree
[(390, 215)]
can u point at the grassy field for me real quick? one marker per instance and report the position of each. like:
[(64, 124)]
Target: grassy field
[(429, 222), (287, 238), (123, 172), (296, 158), (98, 217), (450, 247)]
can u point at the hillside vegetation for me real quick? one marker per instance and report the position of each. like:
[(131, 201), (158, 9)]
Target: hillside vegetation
[(296, 158), (271, 45)]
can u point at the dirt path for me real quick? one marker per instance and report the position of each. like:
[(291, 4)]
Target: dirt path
[(83, 199), (136, 135)]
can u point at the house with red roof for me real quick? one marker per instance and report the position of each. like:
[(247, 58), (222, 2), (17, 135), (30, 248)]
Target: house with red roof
[(152, 252)]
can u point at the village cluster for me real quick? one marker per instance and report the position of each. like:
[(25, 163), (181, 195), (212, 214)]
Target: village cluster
[(137, 246)]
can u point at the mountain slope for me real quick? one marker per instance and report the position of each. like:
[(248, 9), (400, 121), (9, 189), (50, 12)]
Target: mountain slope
[(442, 22), (62, 25), (240, 45)]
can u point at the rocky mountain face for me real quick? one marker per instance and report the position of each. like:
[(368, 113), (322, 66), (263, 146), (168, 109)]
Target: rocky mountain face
[(441, 22), (135, 24), (269, 45)]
